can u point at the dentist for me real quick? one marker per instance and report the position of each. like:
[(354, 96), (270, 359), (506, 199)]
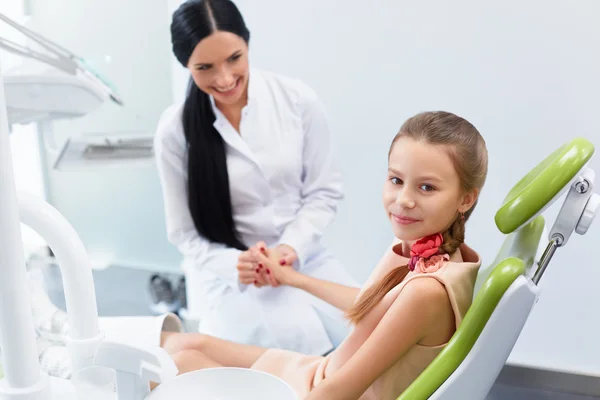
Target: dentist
[(247, 160)]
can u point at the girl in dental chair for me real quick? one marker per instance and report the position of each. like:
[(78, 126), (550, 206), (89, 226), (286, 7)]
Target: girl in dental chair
[(416, 296)]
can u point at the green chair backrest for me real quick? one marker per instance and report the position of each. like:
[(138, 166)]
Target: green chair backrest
[(521, 245)]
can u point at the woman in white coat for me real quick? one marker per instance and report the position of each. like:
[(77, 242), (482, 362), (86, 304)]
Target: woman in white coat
[(247, 160)]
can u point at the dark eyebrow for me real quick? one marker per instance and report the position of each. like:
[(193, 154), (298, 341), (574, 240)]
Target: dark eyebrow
[(235, 53)]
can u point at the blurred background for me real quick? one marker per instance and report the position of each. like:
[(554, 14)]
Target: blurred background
[(525, 73)]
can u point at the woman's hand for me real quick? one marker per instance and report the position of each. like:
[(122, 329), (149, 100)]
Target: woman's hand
[(249, 269), (252, 271), (274, 270)]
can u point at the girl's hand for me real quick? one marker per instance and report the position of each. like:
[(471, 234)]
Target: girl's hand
[(274, 272), (287, 254), (252, 271)]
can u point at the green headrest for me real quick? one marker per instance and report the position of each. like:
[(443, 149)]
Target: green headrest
[(522, 244), (543, 184)]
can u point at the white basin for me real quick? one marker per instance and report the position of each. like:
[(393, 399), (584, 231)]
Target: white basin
[(224, 384)]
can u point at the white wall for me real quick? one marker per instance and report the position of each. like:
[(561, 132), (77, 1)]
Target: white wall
[(525, 73), (116, 210)]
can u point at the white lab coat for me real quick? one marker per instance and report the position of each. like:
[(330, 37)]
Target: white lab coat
[(285, 187)]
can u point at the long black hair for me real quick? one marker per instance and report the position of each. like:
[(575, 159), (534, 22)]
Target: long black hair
[(209, 199)]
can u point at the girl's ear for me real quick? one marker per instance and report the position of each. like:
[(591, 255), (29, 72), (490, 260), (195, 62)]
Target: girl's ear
[(468, 200)]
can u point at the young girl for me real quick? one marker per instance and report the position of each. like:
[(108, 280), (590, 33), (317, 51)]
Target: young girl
[(415, 298)]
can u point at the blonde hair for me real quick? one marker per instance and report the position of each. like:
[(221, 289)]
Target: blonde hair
[(468, 153)]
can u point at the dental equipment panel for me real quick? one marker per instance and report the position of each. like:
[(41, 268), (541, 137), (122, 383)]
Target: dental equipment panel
[(23, 378)]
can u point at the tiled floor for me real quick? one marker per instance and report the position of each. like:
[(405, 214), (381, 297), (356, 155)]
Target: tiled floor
[(124, 292)]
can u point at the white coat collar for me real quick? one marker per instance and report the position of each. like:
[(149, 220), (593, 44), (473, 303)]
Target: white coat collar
[(222, 125)]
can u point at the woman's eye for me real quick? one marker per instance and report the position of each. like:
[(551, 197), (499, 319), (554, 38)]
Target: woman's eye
[(396, 181), (427, 188)]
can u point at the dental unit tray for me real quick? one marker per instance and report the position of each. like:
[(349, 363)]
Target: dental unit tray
[(90, 150)]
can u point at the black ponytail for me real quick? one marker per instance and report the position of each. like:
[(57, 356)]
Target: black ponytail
[(209, 198)]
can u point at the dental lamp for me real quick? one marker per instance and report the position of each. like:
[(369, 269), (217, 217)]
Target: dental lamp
[(78, 91)]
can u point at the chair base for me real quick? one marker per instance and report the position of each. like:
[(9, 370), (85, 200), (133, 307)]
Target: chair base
[(555, 381)]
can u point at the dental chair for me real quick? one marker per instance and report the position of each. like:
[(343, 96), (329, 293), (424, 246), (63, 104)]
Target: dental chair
[(507, 290)]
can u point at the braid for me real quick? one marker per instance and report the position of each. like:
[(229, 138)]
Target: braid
[(454, 236)]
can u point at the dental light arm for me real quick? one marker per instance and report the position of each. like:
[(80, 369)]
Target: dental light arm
[(63, 59)]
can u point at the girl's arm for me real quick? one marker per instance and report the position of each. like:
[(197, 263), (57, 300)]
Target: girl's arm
[(413, 315), (339, 296)]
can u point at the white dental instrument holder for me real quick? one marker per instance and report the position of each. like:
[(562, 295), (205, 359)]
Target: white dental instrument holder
[(23, 377), (135, 368), (84, 334)]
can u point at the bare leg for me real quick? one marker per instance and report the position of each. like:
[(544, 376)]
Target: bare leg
[(190, 360), (221, 352)]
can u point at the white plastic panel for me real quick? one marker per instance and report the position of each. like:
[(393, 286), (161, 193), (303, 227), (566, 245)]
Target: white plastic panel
[(474, 378)]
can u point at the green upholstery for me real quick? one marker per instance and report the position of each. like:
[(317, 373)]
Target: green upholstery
[(521, 246), (519, 217), (542, 184)]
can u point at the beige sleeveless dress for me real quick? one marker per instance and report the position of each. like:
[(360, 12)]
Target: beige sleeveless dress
[(304, 372)]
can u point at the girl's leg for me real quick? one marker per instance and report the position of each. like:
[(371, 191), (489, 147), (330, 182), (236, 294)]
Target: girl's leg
[(190, 360), (221, 352)]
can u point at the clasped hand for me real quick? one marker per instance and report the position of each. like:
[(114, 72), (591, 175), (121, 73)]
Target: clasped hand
[(261, 266)]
